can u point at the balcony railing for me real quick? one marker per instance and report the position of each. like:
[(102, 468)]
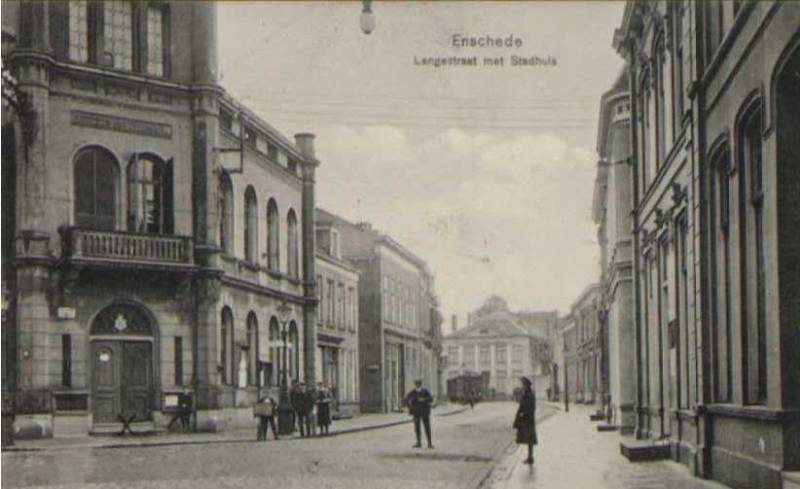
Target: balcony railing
[(115, 246)]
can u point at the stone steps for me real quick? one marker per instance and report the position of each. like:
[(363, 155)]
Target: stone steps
[(645, 450)]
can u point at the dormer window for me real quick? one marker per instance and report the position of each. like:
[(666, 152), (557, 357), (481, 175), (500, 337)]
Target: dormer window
[(250, 136), (335, 249), (291, 165)]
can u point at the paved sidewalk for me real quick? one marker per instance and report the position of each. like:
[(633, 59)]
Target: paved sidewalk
[(572, 453), (339, 427)]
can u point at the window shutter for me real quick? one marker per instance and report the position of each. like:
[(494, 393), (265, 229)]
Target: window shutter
[(168, 206), (59, 28)]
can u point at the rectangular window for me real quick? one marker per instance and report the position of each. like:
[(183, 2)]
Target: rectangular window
[(250, 136), (155, 40), (501, 354), (178, 360), (66, 360), (485, 356), (331, 297), (351, 292), (386, 299), (452, 356), (118, 34), (340, 303), (321, 302), (79, 31), (226, 120), (516, 354)]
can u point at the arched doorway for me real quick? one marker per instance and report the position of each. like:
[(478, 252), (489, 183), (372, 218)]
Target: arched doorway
[(122, 364)]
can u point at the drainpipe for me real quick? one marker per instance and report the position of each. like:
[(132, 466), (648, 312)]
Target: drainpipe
[(305, 143)]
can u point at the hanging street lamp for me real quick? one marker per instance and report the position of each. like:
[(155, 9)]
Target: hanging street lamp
[(367, 19)]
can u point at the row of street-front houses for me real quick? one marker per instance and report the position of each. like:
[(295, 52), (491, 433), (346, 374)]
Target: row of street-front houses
[(696, 204), (153, 228)]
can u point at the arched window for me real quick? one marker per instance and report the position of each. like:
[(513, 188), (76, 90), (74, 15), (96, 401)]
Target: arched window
[(658, 78), (294, 353), (274, 352), (226, 360), (752, 193), (250, 226), (273, 236), (291, 244), (95, 177), (226, 213), (149, 195), (252, 349)]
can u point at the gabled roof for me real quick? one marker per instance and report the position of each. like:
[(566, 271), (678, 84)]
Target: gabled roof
[(496, 324)]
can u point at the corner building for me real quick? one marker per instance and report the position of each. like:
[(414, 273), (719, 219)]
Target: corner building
[(714, 96), (611, 211), (157, 224)]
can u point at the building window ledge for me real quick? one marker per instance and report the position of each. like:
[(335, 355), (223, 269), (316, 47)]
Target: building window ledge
[(762, 413)]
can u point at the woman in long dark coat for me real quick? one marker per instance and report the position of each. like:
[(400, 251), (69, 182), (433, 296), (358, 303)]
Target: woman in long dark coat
[(323, 412), (525, 421)]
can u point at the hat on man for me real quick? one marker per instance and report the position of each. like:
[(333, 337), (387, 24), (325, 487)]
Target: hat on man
[(526, 381), (418, 382)]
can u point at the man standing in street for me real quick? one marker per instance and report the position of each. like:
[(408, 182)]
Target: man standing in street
[(419, 402), (297, 398)]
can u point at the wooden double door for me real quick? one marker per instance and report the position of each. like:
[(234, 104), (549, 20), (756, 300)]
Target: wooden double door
[(123, 380)]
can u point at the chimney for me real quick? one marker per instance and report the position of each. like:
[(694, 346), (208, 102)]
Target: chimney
[(454, 322), (305, 143)]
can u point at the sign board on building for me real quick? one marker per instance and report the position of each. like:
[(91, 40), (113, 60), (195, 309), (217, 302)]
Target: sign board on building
[(65, 313)]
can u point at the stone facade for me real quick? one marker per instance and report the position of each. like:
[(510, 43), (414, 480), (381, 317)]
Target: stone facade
[(611, 211), (505, 344), (337, 321), (714, 97), (399, 322), (146, 260)]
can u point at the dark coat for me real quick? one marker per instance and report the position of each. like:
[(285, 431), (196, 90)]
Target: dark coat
[(525, 421), (419, 402), (297, 398), (323, 410)]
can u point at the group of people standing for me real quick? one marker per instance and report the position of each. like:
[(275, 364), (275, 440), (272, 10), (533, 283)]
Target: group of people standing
[(311, 409)]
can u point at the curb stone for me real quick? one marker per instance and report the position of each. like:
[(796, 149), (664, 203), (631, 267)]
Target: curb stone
[(156, 443)]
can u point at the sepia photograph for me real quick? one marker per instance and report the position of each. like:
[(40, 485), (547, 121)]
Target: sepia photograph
[(357, 244)]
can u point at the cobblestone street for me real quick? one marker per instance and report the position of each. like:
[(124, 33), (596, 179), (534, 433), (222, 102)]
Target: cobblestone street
[(466, 446)]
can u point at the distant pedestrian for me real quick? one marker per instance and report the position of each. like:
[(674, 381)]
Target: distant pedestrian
[(419, 402), (266, 418), (323, 412), (525, 421)]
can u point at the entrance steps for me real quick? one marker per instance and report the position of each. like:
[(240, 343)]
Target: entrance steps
[(645, 450)]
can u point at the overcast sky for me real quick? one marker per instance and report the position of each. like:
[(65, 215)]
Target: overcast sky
[(485, 172)]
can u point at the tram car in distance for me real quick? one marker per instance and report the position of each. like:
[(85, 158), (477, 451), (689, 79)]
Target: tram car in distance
[(468, 386)]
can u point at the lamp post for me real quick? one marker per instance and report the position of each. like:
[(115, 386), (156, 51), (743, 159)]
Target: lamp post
[(285, 411)]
